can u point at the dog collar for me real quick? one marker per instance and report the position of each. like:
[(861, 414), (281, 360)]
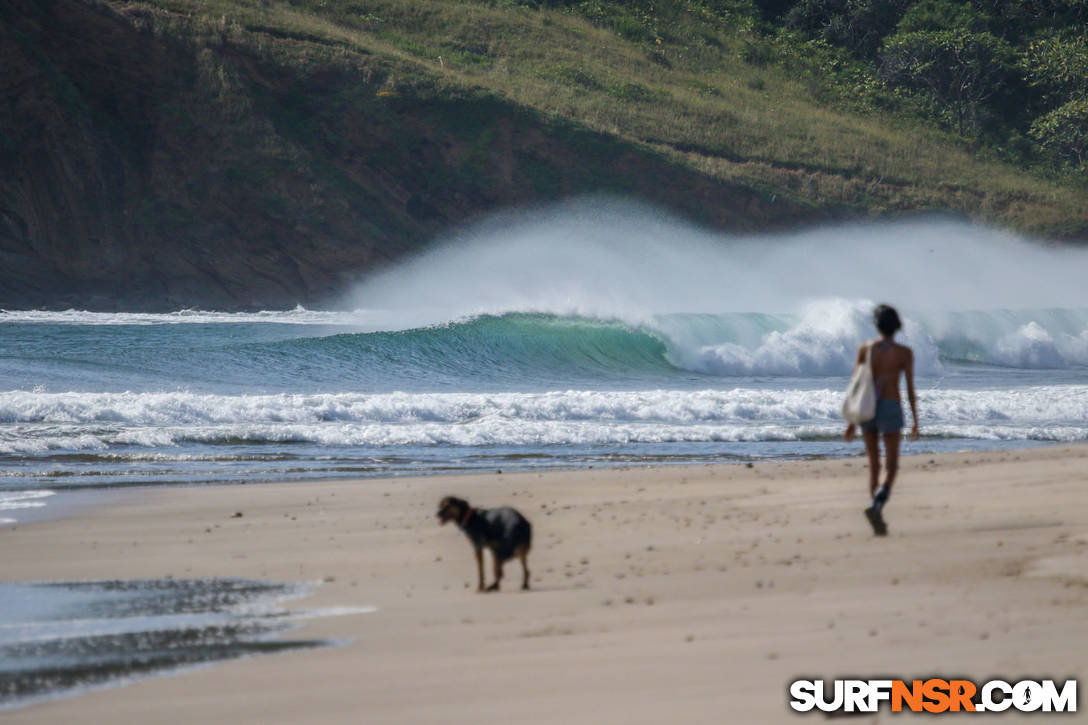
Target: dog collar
[(464, 519)]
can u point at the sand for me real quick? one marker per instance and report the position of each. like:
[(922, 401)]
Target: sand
[(691, 594)]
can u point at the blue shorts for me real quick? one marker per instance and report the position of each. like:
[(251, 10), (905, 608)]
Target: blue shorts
[(888, 418)]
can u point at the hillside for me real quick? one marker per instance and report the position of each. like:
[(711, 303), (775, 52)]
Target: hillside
[(251, 154)]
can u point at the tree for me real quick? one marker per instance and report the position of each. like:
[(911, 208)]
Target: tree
[(1021, 18), (1065, 131), (1058, 65), (772, 9), (942, 15), (958, 69), (857, 25)]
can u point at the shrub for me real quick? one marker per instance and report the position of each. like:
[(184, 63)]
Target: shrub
[(1065, 131), (959, 70)]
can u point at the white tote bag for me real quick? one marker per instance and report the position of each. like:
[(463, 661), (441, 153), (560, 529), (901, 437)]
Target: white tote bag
[(859, 405)]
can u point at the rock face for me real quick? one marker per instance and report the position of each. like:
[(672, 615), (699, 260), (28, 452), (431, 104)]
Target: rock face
[(149, 166)]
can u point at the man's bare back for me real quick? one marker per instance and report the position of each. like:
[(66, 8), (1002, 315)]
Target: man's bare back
[(889, 360)]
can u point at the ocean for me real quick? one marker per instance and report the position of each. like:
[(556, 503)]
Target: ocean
[(587, 335)]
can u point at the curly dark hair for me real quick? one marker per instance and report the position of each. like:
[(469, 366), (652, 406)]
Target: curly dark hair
[(887, 320)]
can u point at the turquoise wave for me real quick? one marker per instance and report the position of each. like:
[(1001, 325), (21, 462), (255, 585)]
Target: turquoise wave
[(501, 351), (507, 347)]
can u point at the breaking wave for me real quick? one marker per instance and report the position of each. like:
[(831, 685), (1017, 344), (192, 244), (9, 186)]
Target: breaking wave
[(41, 423)]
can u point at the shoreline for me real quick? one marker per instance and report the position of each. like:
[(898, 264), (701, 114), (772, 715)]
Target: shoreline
[(659, 592), (61, 503), (68, 502)]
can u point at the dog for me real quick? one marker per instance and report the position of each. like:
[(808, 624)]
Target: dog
[(502, 530)]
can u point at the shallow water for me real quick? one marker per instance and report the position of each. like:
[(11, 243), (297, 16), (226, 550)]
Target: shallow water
[(61, 638)]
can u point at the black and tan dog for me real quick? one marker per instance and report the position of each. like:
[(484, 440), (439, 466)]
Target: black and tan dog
[(503, 530)]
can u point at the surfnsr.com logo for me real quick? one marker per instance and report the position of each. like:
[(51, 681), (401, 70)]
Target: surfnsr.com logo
[(934, 695)]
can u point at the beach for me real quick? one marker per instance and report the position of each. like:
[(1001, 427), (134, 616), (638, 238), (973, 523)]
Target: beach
[(659, 593), (287, 275)]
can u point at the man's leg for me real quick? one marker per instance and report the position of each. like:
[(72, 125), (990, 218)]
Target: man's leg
[(891, 450), (872, 447)]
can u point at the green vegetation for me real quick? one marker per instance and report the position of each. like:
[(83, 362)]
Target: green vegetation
[(853, 106)]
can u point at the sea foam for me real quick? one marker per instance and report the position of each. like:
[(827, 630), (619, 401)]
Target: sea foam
[(42, 423)]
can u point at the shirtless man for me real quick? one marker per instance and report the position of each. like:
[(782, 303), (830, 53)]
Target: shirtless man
[(889, 358)]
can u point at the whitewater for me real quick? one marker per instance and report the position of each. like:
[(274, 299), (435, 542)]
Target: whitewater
[(591, 333)]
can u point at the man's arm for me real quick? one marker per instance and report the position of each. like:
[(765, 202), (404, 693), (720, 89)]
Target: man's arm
[(908, 371)]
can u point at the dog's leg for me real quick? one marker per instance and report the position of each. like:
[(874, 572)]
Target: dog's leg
[(480, 568), (523, 554), (498, 572)]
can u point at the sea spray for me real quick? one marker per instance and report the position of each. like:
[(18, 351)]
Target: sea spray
[(626, 261), (821, 340)]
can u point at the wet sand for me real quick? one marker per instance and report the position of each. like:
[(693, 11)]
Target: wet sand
[(690, 594)]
